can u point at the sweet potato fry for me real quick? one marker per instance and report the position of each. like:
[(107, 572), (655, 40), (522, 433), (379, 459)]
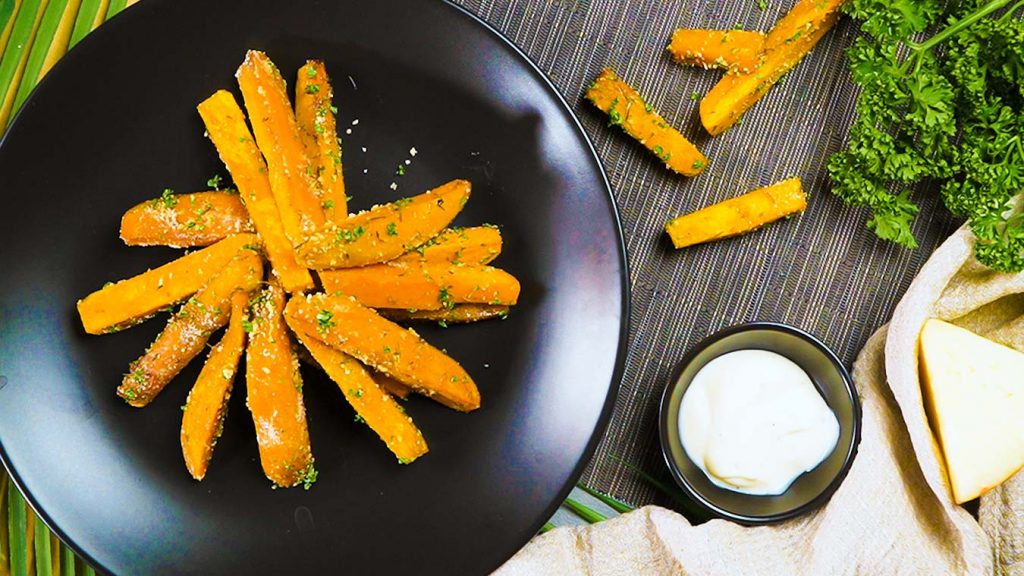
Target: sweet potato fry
[(423, 285), (130, 301), (626, 109), (314, 111), (458, 314), (473, 245), (373, 405), (387, 231), (185, 220), (394, 387), (342, 323), (207, 403), (738, 215), (274, 388), (738, 51), (292, 174), (793, 36), (225, 124), (188, 331)]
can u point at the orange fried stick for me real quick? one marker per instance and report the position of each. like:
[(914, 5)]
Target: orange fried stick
[(225, 124), (314, 111), (292, 174), (274, 388), (188, 331), (207, 403)]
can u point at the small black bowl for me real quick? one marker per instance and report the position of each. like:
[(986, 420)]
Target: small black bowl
[(811, 489)]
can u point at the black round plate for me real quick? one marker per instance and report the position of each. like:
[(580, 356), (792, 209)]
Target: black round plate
[(115, 123)]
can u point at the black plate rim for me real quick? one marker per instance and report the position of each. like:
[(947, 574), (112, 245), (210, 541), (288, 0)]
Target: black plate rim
[(125, 18)]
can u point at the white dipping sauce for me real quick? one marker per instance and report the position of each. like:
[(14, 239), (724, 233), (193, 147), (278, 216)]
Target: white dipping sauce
[(753, 421)]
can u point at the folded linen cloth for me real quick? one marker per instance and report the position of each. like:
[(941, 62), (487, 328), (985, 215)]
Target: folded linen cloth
[(894, 513)]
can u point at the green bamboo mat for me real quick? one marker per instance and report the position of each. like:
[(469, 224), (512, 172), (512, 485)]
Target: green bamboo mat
[(34, 34)]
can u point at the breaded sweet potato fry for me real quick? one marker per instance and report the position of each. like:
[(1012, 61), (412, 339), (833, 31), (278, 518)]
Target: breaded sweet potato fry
[(188, 331), (274, 388), (185, 220), (793, 36), (373, 405), (738, 215), (626, 109), (207, 403), (423, 285), (394, 387), (458, 314), (738, 51), (387, 231), (225, 124), (292, 174), (128, 302), (314, 111), (343, 323), (472, 245)]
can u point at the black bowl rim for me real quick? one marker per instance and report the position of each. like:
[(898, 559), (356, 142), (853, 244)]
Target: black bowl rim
[(695, 495)]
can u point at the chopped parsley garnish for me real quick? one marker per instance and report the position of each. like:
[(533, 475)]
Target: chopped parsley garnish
[(324, 319), (392, 229), (614, 117), (446, 298), (308, 476), (312, 89), (167, 199), (310, 71)]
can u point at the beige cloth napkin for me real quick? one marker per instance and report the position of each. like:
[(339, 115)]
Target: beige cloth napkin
[(892, 515)]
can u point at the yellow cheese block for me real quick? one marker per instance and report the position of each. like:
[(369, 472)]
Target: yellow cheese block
[(974, 393)]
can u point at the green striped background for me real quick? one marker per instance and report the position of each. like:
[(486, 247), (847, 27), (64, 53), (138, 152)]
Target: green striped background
[(34, 34)]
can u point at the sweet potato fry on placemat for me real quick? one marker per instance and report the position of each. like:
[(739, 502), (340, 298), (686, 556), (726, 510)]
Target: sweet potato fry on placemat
[(626, 109), (793, 36), (738, 215), (387, 231), (738, 51), (315, 113), (274, 388), (189, 329), (207, 402), (185, 220), (343, 323), (225, 124), (373, 405), (131, 301)]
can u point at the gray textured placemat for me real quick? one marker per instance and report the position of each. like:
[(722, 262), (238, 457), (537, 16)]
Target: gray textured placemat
[(823, 272)]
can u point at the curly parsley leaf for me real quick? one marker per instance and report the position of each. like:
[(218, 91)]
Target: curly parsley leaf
[(952, 115)]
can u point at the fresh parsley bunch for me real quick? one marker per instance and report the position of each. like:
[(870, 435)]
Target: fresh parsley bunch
[(948, 109)]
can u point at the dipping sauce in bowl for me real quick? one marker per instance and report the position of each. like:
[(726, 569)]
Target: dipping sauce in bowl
[(760, 423), (753, 421)]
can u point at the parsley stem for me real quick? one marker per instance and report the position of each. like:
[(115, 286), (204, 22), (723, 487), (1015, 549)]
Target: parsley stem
[(1010, 12), (583, 511), (959, 26)]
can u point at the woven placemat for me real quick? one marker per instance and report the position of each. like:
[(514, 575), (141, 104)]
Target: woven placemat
[(823, 272)]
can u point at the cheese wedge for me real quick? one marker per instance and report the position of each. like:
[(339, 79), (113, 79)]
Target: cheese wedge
[(974, 394)]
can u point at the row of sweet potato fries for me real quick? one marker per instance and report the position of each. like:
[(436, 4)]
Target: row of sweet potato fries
[(753, 62), (394, 262)]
